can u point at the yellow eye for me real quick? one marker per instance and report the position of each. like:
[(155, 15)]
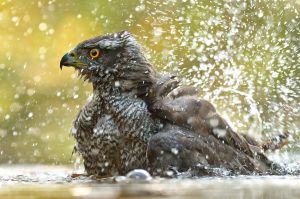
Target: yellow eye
[(94, 53)]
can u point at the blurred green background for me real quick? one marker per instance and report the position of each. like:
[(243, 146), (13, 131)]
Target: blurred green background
[(243, 55)]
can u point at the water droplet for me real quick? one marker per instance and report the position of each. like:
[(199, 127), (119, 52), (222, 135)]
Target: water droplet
[(174, 151), (7, 116), (117, 84), (157, 31), (43, 26), (169, 173), (260, 14), (140, 8), (219, 132), (30, 92)]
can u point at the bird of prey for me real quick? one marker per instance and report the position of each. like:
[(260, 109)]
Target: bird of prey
[(140, 118)]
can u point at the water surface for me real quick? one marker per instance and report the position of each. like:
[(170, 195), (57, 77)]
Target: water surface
[(37, 181)]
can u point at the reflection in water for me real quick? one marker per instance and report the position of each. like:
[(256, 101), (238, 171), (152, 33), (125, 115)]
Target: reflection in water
[(34, 181)]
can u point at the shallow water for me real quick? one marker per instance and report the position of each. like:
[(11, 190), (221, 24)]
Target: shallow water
[(37, 181)]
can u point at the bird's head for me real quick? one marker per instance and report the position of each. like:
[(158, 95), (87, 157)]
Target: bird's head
[(110, 58)]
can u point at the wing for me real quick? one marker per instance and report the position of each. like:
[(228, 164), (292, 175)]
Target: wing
[(182, 150), (182, 107)]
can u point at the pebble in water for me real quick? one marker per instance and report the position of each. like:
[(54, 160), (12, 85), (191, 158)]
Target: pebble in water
[(139, 174)]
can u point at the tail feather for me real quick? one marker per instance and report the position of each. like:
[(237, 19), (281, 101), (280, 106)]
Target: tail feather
[(272, 144), (276, 142)]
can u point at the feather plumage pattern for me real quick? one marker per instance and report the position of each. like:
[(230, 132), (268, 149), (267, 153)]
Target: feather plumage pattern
[(140, 118)]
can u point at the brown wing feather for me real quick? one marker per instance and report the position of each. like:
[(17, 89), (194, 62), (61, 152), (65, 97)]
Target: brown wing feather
[(182, 107)]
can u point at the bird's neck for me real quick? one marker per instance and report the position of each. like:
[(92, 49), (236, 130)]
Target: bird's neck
[(108, 89)]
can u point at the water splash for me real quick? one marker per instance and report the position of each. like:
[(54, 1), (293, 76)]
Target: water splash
[(248, 46), (255, 126)]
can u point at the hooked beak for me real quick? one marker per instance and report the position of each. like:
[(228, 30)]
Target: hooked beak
[(70, 59), (66, 60)]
